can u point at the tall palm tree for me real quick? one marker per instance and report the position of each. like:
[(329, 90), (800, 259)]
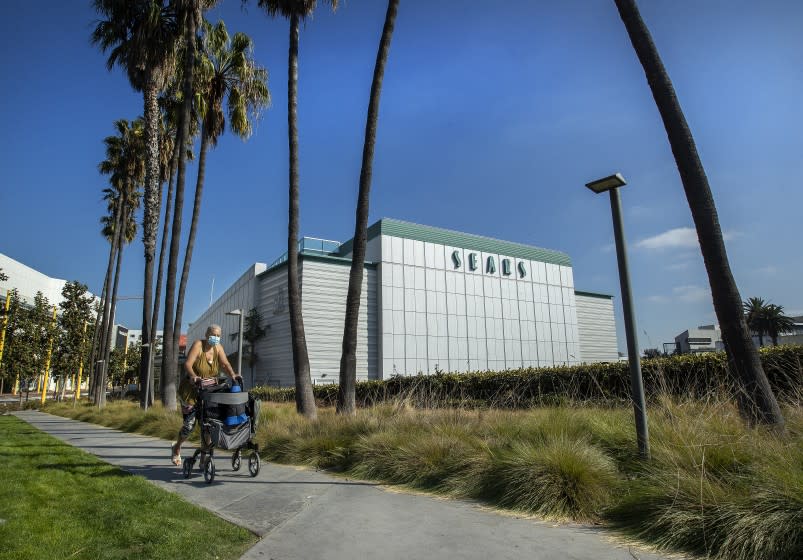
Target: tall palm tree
[(124, 164), (757, 402), (295, 11), (190, 15), (348, 360), (141, 36), (754, 317), (227, 75), (170, 105)]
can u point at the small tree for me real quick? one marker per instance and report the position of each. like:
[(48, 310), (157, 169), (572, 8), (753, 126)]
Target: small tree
[(74, 328), (253, 332)]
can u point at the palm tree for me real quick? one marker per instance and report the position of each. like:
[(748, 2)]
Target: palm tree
[(227, 75), (170, 105), (757, 402), (295, 10), (777, 322), (754, 316), (141, 36), (190, 16), (125, 164), (348, 360)]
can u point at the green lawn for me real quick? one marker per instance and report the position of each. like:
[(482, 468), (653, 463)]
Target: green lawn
[(59, 502)]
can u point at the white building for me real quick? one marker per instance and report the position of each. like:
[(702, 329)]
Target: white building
[(432, 299), (28, 281), (705, 338)]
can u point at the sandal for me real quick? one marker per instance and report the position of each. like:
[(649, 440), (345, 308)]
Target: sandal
[(175, 456)]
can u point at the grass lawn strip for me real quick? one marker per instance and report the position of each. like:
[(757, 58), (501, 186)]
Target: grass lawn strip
[(59, 502)]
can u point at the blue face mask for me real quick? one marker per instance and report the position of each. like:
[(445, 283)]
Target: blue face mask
[(213, 340)]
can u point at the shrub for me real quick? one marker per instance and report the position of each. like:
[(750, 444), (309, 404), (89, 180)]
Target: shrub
[(697, 376)]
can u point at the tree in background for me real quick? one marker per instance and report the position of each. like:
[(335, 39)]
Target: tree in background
[(777, 322), (74, 323), (124, 366), (766, 319), (754, 316), (295, 11), (253, 332), (17, 354), (348, 360), (40, 333), (228, 82), (757, 402)]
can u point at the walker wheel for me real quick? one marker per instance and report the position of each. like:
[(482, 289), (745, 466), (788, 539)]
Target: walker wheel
[(209, 471), (253, 464), (186, 467), (235, 461)]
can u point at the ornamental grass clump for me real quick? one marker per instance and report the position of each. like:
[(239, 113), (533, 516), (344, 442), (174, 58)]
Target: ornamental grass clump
[(562, 478), (717, 488)]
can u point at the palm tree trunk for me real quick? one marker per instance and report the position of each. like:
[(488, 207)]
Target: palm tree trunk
[(96, 330), (150, 219), (101, 328), (160, 272), (169, 351), (757, 402), (348, 360), (106, 348), (305, 399), (196, 212)]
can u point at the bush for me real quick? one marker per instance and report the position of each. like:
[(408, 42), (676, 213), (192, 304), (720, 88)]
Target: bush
[(697, 376)]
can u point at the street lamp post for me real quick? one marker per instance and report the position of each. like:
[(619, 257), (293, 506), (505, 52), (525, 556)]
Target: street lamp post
[(240, 339), (612, 184)]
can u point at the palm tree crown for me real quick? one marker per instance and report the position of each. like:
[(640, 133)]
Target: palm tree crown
[(228, 71), (140, 36), (288, 8)]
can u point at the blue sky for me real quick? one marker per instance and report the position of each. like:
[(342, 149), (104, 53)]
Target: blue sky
[(491, 122)]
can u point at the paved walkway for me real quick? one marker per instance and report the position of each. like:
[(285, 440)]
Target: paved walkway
[(304, 515)]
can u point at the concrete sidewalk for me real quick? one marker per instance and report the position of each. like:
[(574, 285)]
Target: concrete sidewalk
[(306, 515)]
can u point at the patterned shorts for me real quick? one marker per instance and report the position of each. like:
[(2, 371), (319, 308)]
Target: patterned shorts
[(189, 422)]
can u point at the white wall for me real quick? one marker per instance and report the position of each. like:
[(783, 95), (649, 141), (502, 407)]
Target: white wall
[(597, 328), (241, 295), (28, 281), (437, 315), (325, 287), (275, 351)]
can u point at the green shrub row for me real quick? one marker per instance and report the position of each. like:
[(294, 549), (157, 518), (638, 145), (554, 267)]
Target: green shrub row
[(696, 376)]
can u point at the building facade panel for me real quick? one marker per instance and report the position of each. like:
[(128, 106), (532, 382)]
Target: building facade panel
[(597, 328)]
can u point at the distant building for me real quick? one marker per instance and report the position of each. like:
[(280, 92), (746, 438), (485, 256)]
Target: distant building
[(28, 281), (708, 338), (705, 338), (793, 336), (123, 337)]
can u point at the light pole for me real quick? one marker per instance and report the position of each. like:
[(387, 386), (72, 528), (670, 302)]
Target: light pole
[(612, 184), (240, 339)]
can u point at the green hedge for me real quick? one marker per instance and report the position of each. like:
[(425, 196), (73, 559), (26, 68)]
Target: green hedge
[(688, 375)]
